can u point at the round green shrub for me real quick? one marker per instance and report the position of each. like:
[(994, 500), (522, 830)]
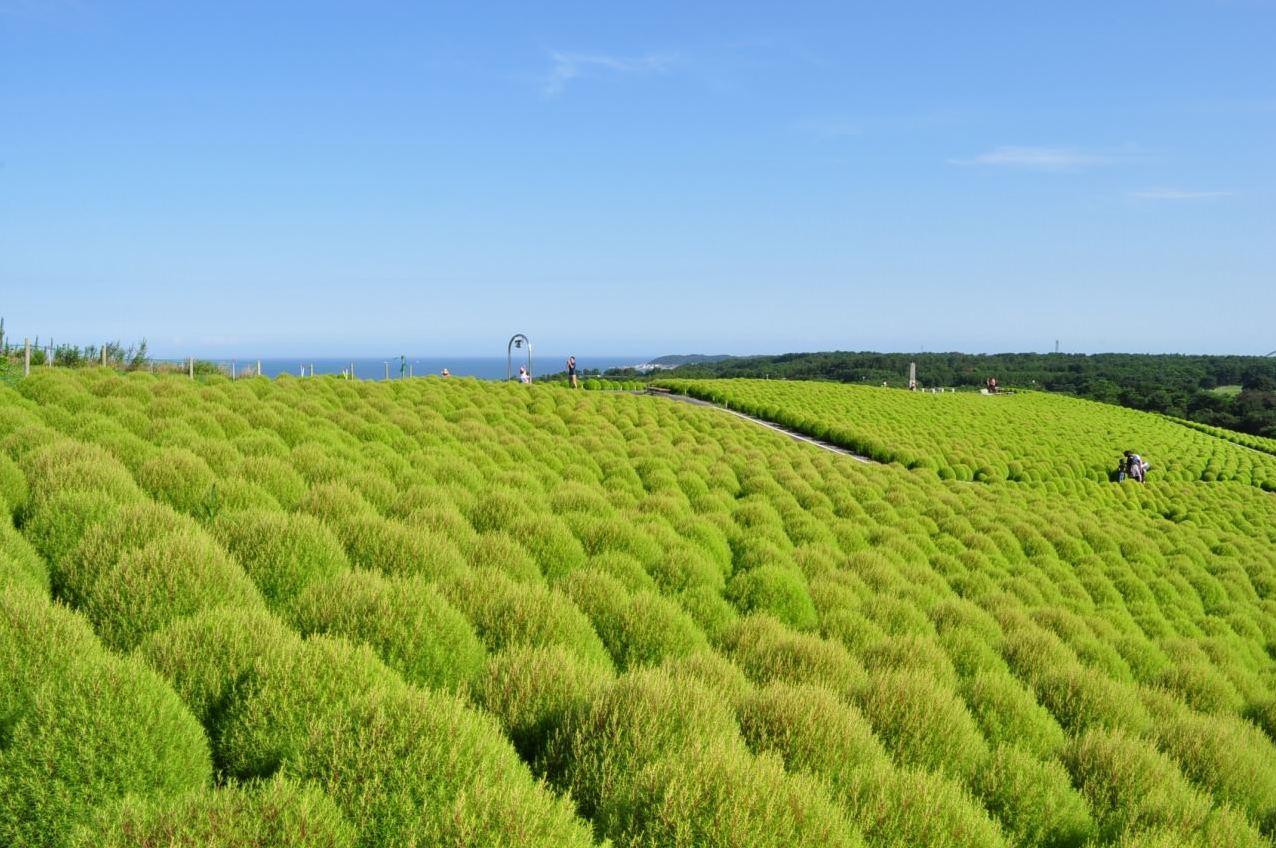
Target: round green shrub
[(499, 550), (379, 544), (505, 613), (532, 690), (719, 795), (19, 560), (811, 729), (1225, 754), (910, 651), (767, 652), (288, 693), (711, 669), (55, 530), (1081, 698), (412, 627), (922, 722), (282, 553), (551, 543), (622, 567), (1130, 786), (419, 768), (1034, 800), (277, 812), (912, 806), (643, 717), (178, 478), (207, 657), (171, 577), (1202, 686), (780, 592), (712, 613), (66, 466), (83, 728), (1008, 714), (129, 529), (13, 486)]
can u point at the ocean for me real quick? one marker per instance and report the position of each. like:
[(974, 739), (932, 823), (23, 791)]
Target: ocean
[(482, 367)]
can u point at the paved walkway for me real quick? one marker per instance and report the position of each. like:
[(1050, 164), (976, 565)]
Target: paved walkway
[(792, 434)]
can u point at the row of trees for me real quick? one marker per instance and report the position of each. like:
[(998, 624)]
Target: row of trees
[(1237, 392)]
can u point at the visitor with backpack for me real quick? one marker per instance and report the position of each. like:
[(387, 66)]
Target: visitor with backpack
[(1134, 467)]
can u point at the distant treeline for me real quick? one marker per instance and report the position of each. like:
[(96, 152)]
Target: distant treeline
[(1236, 392)]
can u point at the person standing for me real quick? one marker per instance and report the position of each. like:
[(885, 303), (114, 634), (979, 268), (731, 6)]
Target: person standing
[(571, 371), (524, 376)]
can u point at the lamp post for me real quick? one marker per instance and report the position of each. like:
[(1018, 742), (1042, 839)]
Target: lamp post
[(517, 341)]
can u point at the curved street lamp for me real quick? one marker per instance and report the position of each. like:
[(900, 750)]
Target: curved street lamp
[(517, 341)]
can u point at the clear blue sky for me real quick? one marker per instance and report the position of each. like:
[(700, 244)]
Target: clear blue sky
[(262, 178)]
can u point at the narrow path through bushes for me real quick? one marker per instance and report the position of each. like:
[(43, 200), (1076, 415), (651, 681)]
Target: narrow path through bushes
[(761, 422)]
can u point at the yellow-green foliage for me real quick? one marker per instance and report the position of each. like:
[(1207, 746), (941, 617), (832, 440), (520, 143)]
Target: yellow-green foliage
[(418, 768), (505, 613), (404, 597), (277, 812), (282, 553), (1024, 437), (171, 577), (80, 726), (412, 627), (532, 690)]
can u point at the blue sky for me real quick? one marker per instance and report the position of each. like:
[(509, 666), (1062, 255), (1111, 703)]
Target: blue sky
[(261, 179)]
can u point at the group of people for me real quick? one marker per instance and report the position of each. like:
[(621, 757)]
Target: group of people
[(1131, 465), (525, 376)]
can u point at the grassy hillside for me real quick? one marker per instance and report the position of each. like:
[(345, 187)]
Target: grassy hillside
[(1023, 437), (457, 613)]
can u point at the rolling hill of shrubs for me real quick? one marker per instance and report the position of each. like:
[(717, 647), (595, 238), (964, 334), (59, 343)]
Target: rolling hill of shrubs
[(428, 612)]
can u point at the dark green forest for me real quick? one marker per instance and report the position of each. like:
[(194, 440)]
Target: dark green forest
[(1236, 392)]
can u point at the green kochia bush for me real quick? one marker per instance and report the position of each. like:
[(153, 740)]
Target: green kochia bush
[(1008, 714), (19, 563), (719, 796), (922, 722), (1230, 757), (644, 717), (13, 486), (1129, 785), (505, 613), (412, 627), (80, 726), (914, 807), (532, 690), (642, 629), (812, 729), (286, 693), (1033, 799), (208, 657), (277, 812), (767, 651), (171, 577), (282, 553), (419, 768), (179, 478), (775, 590)]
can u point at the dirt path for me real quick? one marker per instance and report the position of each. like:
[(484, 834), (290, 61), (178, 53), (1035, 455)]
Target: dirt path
[(795, 436)]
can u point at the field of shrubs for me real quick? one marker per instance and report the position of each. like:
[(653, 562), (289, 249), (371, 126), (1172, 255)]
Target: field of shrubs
[(426, 612), (1021, 437)]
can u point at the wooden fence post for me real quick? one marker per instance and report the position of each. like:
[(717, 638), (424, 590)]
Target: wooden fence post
[(26, 368), (191, 364)]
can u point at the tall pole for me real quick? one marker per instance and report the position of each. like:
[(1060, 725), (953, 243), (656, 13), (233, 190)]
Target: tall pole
[(258, 367), (190, 361), (26, 368), (387, 370), (912, 376)]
